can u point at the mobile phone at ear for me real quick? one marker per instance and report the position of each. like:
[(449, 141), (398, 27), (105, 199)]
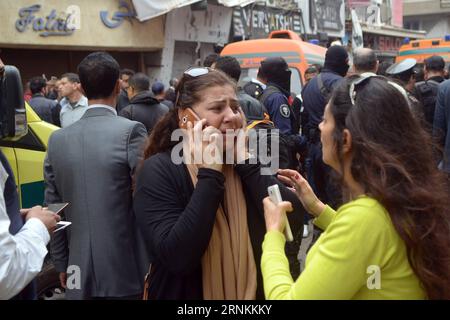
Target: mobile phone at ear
[(186, 116)]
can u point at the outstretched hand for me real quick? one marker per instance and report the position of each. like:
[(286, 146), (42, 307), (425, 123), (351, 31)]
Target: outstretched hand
[(301, 187)]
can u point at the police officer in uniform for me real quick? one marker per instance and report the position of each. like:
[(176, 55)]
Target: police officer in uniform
[(275, 98), (404, 74)]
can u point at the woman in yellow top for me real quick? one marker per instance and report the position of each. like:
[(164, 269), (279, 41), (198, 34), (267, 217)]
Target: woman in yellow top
[(391, 240)]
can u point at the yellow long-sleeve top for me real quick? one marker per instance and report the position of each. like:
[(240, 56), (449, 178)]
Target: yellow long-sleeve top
[(358, 256)]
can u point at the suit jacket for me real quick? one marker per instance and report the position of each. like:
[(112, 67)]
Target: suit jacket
[(43, 107), (90, 165)]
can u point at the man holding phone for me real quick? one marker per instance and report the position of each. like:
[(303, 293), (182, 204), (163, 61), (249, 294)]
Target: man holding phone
[(23, 245)]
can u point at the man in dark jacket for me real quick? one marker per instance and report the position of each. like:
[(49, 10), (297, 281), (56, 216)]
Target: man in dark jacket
[(122, 99), (143, 107), (441, 125), (256, 87), (427, 90), (39, 103), (315, 97), (160, 94)]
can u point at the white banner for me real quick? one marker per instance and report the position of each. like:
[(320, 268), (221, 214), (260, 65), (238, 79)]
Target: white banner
[(357, 34), (211, 26), (148, 9), (235, 3)]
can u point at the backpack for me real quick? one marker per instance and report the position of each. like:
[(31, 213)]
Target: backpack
[(267, 134), (324, 91), (427, 91)]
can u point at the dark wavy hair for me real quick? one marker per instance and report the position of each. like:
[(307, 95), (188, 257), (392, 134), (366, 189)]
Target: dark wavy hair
[(188, 93), (393, 161)]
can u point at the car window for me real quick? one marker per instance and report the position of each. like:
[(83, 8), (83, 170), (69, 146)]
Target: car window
[(30, 141)]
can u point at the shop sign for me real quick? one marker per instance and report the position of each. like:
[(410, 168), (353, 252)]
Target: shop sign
[(53, 24), (119, 16), (327, 15), (382, 43), (260, 21)]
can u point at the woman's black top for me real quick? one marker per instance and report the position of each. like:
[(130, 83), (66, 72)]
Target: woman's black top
[(177, 221)]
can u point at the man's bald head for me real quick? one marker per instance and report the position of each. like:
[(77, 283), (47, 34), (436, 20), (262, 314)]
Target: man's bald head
[(365, 60)]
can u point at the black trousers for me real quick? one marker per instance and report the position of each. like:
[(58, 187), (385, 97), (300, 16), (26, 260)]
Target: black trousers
[(134, 297)]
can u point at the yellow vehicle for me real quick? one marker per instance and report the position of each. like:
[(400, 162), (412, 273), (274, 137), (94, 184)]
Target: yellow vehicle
[(23, 141), (26, 157), (298, 54), (422, 49)]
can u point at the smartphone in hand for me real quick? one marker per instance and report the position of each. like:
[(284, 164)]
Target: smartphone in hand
[(187, 115), (57, 208), (275, 196)]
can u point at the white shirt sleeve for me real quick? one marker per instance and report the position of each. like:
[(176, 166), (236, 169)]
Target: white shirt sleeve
[(22, 255)]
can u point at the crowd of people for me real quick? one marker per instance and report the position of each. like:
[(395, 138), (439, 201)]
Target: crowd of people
[(363, 150)]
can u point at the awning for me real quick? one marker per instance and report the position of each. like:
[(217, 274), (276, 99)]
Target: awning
[(235, 3), (394, 32), (148, 9)]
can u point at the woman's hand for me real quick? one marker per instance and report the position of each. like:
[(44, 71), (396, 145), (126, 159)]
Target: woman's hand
[(275, 215), (206, 153), (303, 190), (240, 145)]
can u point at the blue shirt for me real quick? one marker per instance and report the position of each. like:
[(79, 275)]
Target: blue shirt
[(70, 114)]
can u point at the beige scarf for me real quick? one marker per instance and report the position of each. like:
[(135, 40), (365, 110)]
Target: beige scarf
[(228, 265)]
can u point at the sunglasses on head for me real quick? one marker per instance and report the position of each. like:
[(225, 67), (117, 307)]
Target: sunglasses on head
[(192, 72), (197, 71)]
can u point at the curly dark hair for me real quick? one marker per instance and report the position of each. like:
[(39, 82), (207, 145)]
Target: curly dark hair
[(392, 158)]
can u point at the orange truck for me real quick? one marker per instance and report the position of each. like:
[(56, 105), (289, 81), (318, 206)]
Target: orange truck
[(422, 49), (282, 43)]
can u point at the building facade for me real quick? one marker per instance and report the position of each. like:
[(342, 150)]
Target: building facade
[(52, 37), (433, 16), (193, 32), (382, 26)]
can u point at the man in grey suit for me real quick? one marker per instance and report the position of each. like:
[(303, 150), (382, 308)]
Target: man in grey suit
[(90, 164)]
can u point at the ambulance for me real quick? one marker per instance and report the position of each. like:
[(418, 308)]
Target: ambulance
[(26, 157), (422, 49), (298, 54), (23, 140)]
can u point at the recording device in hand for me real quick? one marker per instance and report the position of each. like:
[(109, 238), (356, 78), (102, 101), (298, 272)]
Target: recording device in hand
[(57, 208), (275, 196)]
